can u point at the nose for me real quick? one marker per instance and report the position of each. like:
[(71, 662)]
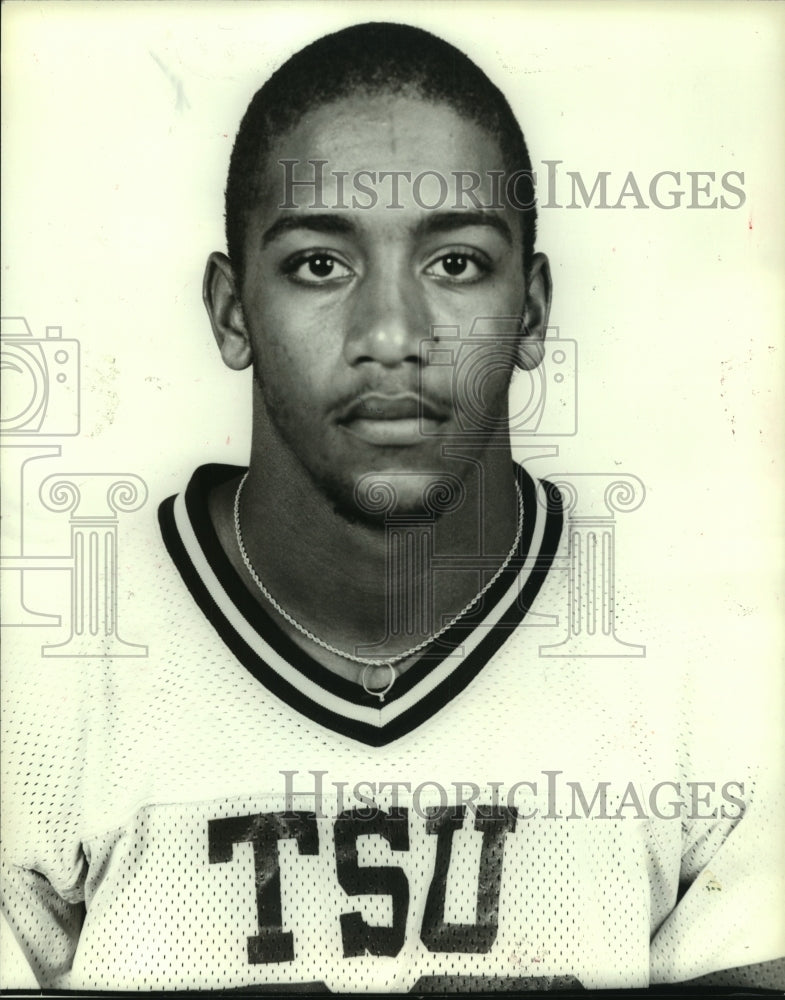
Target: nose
[(389, 323)]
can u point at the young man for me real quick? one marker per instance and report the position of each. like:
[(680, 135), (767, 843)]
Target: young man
[(344, 766)]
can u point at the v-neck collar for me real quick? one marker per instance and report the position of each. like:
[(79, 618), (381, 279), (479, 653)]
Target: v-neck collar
[(443, 669)]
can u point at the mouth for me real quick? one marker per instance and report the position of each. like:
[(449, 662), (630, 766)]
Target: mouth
[(398, 420)]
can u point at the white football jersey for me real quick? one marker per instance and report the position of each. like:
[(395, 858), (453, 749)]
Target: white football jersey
[(226, 812)]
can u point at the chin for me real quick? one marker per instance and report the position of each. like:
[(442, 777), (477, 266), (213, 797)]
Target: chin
[(376, 498)]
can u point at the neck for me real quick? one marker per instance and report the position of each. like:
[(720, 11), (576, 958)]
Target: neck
[(345, 580)]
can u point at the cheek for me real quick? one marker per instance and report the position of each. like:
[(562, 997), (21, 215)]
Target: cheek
[(289, 350), (480, 388)]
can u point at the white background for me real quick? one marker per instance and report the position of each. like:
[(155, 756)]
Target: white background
[(118, 121)]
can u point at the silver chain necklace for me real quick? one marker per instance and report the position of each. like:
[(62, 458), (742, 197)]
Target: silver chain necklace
[(367, 661)]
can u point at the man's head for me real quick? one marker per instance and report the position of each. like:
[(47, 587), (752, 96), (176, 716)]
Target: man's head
[(360, 316)]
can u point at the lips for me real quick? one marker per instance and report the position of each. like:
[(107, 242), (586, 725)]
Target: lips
[(400, 406), (393, 420)]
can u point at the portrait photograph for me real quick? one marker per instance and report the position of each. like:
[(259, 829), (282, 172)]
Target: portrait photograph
[(392, 490)]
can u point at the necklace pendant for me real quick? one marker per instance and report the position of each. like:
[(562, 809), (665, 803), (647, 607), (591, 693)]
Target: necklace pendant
[(379, 693)]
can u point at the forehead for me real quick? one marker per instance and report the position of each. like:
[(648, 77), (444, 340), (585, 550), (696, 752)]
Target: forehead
[(362, 137)]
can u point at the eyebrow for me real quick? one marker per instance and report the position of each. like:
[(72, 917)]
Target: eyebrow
[(434, 223), (320, 223), (444, 222)]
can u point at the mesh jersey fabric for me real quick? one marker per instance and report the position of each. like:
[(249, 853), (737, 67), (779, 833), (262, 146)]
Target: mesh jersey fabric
[(226, 813)]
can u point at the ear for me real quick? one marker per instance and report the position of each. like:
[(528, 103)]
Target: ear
[(535, 313), (222, 301)]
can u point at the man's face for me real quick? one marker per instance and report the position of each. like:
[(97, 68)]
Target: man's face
[(343, 305)]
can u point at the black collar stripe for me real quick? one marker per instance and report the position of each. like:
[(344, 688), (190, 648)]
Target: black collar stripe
[(243, 653), (242, 627), (423, 690)]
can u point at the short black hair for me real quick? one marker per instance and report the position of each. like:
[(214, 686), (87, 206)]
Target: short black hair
[(373, 58)]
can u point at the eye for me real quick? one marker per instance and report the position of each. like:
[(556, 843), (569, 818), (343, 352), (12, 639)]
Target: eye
[(458, 266), (317, 267)]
